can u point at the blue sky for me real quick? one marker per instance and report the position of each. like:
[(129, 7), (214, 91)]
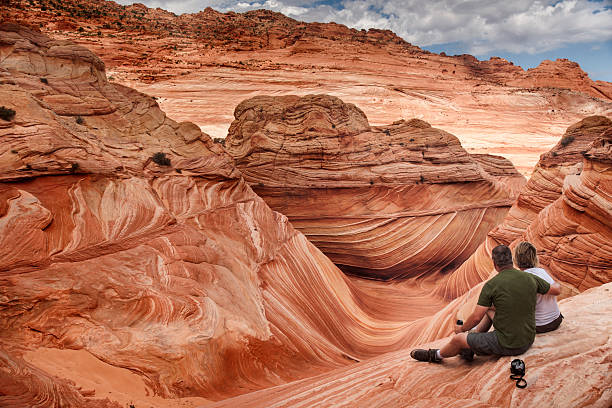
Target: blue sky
[(522, 31)]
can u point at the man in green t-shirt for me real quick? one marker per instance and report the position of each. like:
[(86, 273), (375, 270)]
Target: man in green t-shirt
[(507, 300)]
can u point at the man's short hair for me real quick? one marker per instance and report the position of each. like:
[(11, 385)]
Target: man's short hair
[(501, 255), (525, 255)]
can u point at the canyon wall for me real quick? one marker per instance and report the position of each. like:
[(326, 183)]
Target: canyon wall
[(565, 211)]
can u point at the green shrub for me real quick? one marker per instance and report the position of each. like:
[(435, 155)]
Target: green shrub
[(79, 120), (44, 80), (161, 159), (566, 140), (6, 113)]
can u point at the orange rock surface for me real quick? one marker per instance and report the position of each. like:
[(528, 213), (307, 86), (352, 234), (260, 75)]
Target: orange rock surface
[(200, 65), (382, 202), (563, 209), (569, 367), (131, 244), (168, 266)]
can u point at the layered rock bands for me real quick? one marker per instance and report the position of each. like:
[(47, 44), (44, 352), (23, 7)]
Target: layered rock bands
[(133, 237), (566, 368), (564, 210), (381, 202), (131, 245), (137, 266)]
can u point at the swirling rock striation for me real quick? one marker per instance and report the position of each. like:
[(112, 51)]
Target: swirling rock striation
[(568, 367), (134, 238), (382, 202), (564, 210)]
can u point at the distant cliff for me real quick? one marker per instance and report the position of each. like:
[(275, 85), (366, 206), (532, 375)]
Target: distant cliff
[(262, 30)]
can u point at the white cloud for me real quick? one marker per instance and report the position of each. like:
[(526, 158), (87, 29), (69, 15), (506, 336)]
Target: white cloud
[(482, 25), (286, 9)]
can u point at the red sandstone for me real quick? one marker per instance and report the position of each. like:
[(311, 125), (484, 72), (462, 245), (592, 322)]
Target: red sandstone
[(201, 65), (184, 277)]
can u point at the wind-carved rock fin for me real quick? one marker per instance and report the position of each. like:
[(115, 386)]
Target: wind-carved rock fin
[(381, 201)]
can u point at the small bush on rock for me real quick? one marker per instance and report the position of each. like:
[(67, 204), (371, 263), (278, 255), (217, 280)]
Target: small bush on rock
[(79, 120), (567, 140), (6, 113), (161, 159)]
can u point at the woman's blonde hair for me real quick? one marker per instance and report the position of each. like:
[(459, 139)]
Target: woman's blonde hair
[(525, 255)]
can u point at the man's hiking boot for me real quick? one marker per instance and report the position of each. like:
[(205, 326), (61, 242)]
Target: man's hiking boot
[(425, 355), (467, 354)]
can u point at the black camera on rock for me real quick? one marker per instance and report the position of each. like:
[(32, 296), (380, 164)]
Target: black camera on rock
[(517, 370), (517, 367)]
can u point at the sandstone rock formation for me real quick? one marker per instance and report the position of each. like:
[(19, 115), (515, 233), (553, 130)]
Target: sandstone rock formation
[(200, 65), (133, 250), (382, 202), (132, 238), (564, 210), (565, 368), (562, 73), (267, 30)]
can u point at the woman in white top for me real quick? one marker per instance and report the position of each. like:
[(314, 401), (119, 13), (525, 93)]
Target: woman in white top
[(548, 317)]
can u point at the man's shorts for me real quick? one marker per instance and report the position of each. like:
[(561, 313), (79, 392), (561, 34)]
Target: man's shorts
[(554, 325), (485, 344)]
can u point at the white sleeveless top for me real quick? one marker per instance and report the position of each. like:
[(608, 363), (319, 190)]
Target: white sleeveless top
[(547, 309)]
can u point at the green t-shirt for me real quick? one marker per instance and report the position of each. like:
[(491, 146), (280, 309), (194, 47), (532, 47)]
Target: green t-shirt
[(513, 293)]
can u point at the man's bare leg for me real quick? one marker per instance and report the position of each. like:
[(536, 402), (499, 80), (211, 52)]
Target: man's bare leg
[(454, 346)]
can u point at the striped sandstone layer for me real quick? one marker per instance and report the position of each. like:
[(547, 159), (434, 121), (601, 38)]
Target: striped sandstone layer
[(569, 367), (176, 274), (174, 271), (389, 202), (564, 210)]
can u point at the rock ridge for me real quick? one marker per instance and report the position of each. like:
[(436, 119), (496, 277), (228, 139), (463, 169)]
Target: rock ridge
[(269, 30), (357, 191), (550, 212)]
